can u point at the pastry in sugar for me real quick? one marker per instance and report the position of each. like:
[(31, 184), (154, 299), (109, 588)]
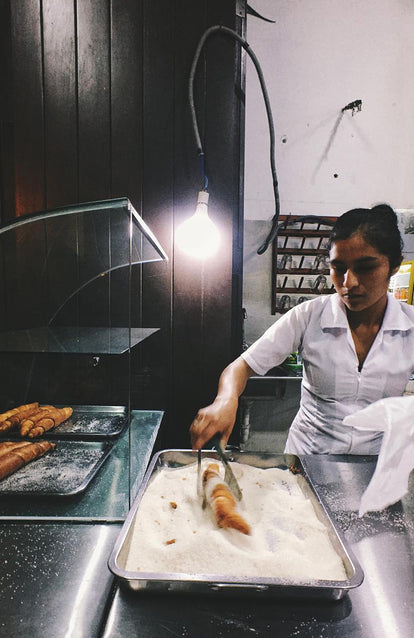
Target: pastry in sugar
[(222, 501)]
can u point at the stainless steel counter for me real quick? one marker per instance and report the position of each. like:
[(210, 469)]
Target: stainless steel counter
[(54, 582), (113, 488), (380, 608), (54, 579)]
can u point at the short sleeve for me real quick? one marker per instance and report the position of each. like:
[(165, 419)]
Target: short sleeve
[(282, 338)]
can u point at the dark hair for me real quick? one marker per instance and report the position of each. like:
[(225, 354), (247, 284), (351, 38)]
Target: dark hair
[(377, 225)]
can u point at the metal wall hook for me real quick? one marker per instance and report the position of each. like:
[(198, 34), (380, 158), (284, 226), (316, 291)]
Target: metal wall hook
[(354, 106)]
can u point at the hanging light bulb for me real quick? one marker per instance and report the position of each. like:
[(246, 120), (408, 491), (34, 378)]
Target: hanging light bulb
[(198, 236), (195, 250)]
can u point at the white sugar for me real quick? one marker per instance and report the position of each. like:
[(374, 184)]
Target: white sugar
[(173, 534)]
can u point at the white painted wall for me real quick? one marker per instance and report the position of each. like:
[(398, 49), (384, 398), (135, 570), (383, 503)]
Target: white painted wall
[(317, 57)]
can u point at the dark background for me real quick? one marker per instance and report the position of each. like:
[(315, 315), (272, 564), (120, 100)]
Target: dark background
[(94, 106)]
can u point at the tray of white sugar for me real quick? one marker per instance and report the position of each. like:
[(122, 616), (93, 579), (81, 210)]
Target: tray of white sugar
[(287, 543)]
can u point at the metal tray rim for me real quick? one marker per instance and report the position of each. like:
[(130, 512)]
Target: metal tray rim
[(128, 577)]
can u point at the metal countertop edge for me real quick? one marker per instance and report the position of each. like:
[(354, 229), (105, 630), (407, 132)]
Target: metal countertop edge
[(61, 519)]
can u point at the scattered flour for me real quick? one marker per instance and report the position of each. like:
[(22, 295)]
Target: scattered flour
[(63, 471), (171, 533)]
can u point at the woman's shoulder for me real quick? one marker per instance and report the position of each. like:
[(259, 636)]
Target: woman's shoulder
[(301, 315), (317, 305), (400, 315)]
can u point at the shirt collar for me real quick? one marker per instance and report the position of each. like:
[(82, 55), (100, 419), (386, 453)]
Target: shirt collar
[(396, 317), (334, 315)]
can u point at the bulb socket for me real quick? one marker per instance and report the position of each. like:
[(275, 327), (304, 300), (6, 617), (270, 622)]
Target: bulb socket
[(203, 197)]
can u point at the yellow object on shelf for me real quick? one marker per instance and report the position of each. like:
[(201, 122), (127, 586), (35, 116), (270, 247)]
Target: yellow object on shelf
[(402, 283)]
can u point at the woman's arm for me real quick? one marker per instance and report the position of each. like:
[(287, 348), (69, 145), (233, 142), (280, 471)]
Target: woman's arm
[(220, 416)]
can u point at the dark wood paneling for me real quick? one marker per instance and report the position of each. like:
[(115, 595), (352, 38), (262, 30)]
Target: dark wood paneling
[(222, 136), (94, 99), (188, 380), (101, 110), (127, 130), (6, 116), (28, 106), (126, 99), (61, 271), (7, 188), (202, 303), (60, 95), (93, 258), (24, 254), (158, 191)]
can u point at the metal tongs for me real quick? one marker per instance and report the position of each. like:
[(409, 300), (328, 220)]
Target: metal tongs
[(228, 472), (200, 488)]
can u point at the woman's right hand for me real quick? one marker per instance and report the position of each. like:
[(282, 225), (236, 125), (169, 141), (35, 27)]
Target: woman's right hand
[(220, 416), (217, 418)]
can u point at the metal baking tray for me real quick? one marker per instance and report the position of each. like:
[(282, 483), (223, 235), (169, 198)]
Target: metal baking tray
[(67, 471), (92, 422), (88, 422), (216, 583)]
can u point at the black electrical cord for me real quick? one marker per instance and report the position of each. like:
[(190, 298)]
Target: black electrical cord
[(249, 51)]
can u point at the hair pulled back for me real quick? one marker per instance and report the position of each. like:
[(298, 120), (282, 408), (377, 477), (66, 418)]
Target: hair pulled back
[(378, 226)]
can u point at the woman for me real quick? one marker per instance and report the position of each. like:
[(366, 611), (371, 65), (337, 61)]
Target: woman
[(357, 345)]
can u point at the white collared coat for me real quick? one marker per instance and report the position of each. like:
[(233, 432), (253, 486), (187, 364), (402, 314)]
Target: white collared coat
[(332, 385)]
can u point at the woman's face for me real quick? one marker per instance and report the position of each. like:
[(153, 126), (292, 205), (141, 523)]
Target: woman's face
[(359, 273)]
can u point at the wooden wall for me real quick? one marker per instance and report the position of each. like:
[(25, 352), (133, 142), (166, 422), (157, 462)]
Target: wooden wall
[(94, 106)]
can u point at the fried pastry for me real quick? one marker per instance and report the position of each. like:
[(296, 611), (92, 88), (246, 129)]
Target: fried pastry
[(222, 501), (21, 454)]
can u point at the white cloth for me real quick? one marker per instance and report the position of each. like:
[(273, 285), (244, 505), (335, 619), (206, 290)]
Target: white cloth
[(389, 482), (332, 386)]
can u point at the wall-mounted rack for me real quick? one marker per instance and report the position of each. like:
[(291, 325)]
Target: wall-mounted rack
[(300, 268)]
